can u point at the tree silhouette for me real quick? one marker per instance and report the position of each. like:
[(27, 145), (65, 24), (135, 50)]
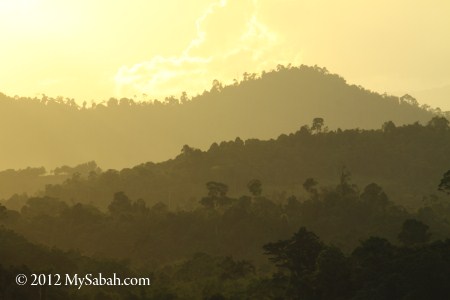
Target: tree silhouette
[(317, 125), (297, 254), (217, 195)]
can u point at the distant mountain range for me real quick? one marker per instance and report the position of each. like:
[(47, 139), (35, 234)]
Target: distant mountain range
[(122, 133)]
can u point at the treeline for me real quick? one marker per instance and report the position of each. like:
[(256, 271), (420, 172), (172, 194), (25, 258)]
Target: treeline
[(119, 133), (406, 160)]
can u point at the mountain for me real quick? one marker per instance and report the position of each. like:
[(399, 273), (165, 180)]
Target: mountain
[(120, 133)]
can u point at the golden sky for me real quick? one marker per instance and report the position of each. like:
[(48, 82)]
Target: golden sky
[(96, 49)]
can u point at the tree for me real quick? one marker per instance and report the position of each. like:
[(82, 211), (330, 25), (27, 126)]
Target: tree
[(112, 102), (388, 127), (304, 130), (255, 187), (216, 189), (297, 254), (189, 151), (217, 86), (414, 233), (120, 204), (184, 98), (409, 99), (439, 123), (171, 101), (217, 195), (375, 196), (317, 125)]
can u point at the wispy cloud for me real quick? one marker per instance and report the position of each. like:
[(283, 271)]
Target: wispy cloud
[(230, 39)]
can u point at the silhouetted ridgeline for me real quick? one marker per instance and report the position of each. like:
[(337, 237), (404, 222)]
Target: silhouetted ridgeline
[(119, 133), (408, 161)]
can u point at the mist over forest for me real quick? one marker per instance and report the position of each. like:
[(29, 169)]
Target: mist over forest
[(118, 133), (289, 184)]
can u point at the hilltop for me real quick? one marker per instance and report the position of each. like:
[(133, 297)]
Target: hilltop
[(123, 132)]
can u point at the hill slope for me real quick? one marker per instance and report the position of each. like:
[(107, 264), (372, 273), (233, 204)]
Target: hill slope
[(406, 161), (119, 133)]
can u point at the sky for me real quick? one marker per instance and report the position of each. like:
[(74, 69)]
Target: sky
[(94, 50)]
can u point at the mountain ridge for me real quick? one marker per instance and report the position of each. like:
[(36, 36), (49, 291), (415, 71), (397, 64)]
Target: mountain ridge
[(123, 132)]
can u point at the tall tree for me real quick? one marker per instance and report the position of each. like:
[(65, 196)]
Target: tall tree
[(317, 125)]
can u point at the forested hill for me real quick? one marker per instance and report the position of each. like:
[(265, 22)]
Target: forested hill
[(123, 132), (407, 161)]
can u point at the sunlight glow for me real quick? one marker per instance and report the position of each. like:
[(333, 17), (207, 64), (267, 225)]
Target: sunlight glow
[(216, 52)]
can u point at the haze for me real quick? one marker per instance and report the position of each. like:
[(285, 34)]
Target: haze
[(96, 50)]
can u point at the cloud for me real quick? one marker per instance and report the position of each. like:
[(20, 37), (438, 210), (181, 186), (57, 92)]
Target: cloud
[(230, 40)]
